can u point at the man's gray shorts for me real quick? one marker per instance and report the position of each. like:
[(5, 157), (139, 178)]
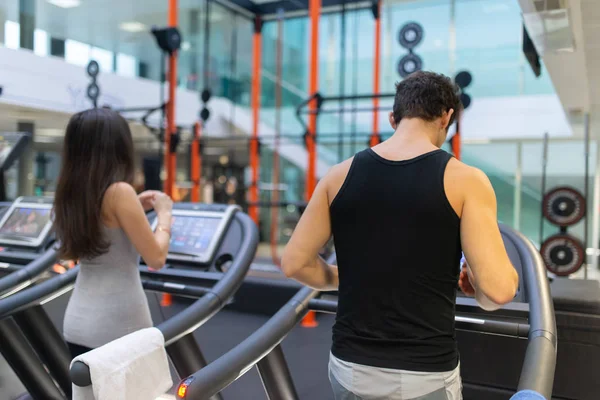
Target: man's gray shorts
[(358, 382)]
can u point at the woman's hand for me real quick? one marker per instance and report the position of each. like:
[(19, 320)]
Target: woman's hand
[(147, 199), (162, 204), (465, 279)]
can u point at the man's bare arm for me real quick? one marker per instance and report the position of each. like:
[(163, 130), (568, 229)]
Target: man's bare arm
[(301, 260), (492, 271)]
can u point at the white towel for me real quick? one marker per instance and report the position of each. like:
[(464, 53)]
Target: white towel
[(133, 367)]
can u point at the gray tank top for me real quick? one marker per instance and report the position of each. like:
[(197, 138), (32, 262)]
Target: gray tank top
[(108, 300)]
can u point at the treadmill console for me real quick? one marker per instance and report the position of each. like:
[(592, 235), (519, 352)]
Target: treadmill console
[(196, 232), (26, 223)]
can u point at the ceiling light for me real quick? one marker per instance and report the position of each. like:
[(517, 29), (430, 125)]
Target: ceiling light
[(133, 27), (65, 3)]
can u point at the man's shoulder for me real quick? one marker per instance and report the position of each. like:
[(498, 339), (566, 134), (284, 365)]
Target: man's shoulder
[(466, 176), (340, 170)]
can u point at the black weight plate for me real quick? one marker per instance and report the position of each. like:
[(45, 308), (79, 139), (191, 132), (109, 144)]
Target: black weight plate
[(564, 206), (93, 91), (563, 254), (463, 79), (204, 114), (410, 35), (174, 40), (205, 95), (408, 64), (93, 69), (465, 99)]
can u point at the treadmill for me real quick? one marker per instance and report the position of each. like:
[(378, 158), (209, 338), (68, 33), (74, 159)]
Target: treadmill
[(12, 145), (26, 243), (535, 378), (205, 238)]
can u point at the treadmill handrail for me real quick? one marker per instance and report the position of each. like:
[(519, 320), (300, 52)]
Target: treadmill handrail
[(218, 374), (538, 369), (35, 294), (29, 271), (540, 358), (204, 308)]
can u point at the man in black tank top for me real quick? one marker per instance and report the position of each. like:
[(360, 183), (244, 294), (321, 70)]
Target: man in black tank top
[(401, 214)]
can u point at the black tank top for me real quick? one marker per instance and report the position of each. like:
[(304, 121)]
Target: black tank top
[(397, 241)]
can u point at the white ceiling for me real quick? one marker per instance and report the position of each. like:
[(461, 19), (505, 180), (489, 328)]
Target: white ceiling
[(576, 75)]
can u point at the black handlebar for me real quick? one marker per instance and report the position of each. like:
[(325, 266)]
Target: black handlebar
[(540, 359), (35, 294), (204, 308), (30, 271)]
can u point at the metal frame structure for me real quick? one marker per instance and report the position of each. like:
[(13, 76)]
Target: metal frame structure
[(259, 13), (263, 348)]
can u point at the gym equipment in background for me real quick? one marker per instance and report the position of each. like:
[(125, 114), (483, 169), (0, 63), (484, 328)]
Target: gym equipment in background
[(410, 35), (12, 146), (564, 206), (563, 254), (93, 90)]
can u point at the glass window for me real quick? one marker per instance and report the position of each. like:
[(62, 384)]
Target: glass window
[(104, 58), (126, 65), (12, 36), (41, 42), (494, 56), (77, 53)]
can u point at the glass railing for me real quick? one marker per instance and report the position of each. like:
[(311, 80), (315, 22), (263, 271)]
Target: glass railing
[(519, 204), (515, 176)]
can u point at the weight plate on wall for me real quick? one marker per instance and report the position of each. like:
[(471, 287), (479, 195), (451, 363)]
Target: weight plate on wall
[(563, 254), (465, 99), (205, 95), (408, 64), (93, 91), (410, 35), (93, 69), (564, 206), (463, 79)]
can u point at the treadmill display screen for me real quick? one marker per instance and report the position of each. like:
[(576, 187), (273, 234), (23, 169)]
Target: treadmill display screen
[(25, 223), (192, 235)]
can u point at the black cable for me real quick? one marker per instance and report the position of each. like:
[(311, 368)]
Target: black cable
[(354, 83), (162, 102), (544, 167), (342, 81), (233, 67), (206, 44)]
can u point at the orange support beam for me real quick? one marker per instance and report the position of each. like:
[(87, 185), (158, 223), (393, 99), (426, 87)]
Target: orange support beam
[(314, 11), (196, 164), (255, 104), (170, 158), (375, 139), (455, 141)]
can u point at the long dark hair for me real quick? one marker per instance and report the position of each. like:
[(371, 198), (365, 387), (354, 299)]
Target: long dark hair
[(97, 152)]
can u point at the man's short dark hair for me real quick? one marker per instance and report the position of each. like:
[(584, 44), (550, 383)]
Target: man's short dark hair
[(426, 95)]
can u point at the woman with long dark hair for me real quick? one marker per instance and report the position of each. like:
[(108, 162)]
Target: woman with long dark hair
[(99, 220)]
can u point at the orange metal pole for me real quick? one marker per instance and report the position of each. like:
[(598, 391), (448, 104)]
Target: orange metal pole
[(170, 158), (456, 139), (196, 164), (314, 10), (313, 88), (255, 104), (375, 134)]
